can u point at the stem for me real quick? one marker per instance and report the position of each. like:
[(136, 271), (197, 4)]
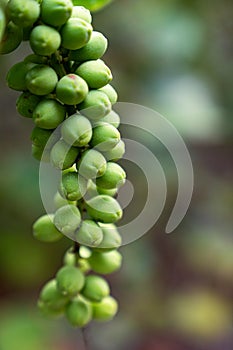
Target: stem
[(85, 338), (56, 64)]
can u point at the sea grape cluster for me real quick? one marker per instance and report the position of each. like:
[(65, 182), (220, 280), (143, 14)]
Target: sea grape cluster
[(65, 86)]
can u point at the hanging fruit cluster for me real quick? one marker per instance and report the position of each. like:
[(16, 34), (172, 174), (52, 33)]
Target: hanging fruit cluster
[(65, 86)]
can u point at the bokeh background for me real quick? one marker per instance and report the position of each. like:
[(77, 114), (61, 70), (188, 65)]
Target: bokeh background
[(175, 291)]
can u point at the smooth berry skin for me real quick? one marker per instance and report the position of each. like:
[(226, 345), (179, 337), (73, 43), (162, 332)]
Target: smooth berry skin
[(40, 153), (16, 75), (49, 312), (113, 177), (75, 33), (67, 219), (110, 92), (12, 38), (63, 156), (105, 310), (44, 230), (33, 58), (92, 164), (41, 80), (59, 201), (56, 12), (93, 191), (70, 280), (2, 22), (115, 153), (23, 13), (52, 297), (105, 137), (49, 113), (71, 89), (105, 262), (95, 288), (77, 130), (44, 40), (93, 50), (26, 103), (95, 73), (89, 234), (73, 186), (40, 137), (104, 208), (111, 238), (79, 312), (96, 105), (112, 192), (82, 13), (111, 118)]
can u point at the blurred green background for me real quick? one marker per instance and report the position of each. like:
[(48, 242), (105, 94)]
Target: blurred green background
[(175, 291)]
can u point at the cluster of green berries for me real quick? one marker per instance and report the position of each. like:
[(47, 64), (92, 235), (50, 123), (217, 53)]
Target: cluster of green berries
[(80, 296), (65, 86)]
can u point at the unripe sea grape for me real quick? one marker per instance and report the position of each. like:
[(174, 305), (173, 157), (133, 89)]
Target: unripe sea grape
[(56, 12)]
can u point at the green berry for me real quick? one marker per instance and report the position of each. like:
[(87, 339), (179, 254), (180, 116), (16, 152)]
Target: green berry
[(26, 103), (40, 153), (36, 59), (41, 80), (95, 288), (77, 130), (12, 38), (105, 262), (95, 73), (93, 50), (81, 12), (67, 219), (59, 201), (79, 312), (89, 234), (23, 13), (71, 89), (111, 237), (93, 191), (111, 93), (105, 137), (40, 137), (112, 192), (84, 265), (70, 258), (104, 208), (16, 75), (84, 252), (111, 118), (73, 186), (105, 310), (45, 230), (113, 177), (56, 12), (52, 298), (49, 312), (70, 280), (75, 33), (115, 153), (92, 164), (63, 156), (96, 105), (44, 40), (2, 22), (49, 113)]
